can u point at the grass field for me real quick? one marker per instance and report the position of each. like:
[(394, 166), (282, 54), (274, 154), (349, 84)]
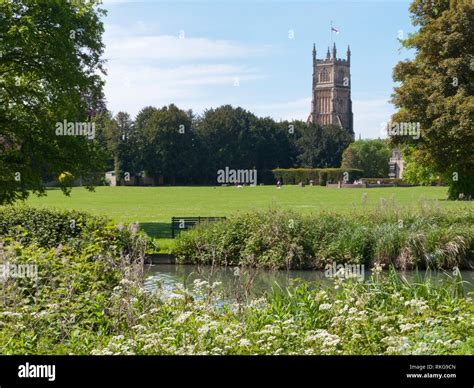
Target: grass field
[(153, 207)]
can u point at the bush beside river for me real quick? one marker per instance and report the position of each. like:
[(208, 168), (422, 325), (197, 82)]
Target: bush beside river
[(285, 240), (88, 298)]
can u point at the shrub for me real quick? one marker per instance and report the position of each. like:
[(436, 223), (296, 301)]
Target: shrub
[(89, 298), (294, 176), (48, 227), (323, 178), (335, 175), (54, 228), (283, 240), (68, 306)]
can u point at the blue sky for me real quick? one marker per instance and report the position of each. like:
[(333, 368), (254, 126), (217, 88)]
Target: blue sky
[(203, 54)]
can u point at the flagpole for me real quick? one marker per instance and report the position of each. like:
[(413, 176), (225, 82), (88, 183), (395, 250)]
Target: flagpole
[(330, 45)]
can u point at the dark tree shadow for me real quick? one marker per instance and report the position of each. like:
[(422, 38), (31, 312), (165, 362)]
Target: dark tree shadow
[(156, 229)]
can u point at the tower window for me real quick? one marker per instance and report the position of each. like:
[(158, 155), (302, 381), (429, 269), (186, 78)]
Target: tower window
[(324, 75), (341, 76)]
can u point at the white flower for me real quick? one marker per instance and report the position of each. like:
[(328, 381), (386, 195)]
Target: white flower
[(244, 342), (417, 304), (11, 314), (203, 330), (329, 341), (215, 285), (139, 328), (409, 326), (377, 268), (198, 284), (325, 306), (352, 310), (183, 317)]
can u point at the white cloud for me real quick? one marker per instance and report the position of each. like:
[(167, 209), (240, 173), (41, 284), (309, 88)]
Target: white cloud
[(114, 32), (287, 110), (140, 42), (145, 68), (369, 116), (132, 88)]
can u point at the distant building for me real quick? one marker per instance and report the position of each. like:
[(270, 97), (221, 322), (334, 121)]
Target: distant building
[(331, 102), (110, 178), (396, 165), (140, 179)]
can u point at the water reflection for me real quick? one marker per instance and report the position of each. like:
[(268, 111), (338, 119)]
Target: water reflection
[(252, 283)]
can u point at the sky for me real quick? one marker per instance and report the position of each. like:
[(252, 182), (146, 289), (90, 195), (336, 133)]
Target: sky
[(254, 54)]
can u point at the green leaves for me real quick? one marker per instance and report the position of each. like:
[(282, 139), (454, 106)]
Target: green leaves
[(47, 75), (322, 146), (284, 240), (437, 90), (89, 297), (371, 156)]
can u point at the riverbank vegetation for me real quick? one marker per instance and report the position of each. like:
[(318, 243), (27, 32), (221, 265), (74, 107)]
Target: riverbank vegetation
[(277, 239), (88, 298)]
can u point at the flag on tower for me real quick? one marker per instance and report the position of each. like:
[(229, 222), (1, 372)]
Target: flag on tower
[(334, 29)]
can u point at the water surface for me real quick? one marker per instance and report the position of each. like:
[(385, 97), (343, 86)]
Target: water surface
[(254, 283)]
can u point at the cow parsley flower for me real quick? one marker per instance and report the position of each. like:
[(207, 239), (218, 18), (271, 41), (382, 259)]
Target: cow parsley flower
[(325, 306)]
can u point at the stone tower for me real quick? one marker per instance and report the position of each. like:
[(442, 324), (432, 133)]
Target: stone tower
[(331, 103)]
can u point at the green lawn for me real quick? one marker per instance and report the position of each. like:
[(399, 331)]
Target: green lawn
[(159, 204), (154, 206)]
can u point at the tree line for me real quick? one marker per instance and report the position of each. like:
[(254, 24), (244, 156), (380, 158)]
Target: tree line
[(174, 146), (51, 61)]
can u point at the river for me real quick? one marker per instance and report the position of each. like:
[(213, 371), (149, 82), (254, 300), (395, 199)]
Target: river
[(254, 283)]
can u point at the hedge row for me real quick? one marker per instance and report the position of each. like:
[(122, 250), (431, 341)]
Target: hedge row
[(48, 228), (384, 180), (319, 176)]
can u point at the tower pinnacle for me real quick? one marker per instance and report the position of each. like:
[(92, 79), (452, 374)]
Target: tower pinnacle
[(331, 93)]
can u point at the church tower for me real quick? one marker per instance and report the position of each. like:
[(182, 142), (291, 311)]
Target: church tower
[(331, 103)]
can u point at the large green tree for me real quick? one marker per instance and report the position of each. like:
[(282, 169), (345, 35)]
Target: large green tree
[(167, 144), (123, 144), (236, 138), (226, 134), (322, 146), (372, 156), (437, 90), (50, 57), (415, 172)]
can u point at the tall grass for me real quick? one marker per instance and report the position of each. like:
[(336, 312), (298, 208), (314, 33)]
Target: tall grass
[(281, 239)]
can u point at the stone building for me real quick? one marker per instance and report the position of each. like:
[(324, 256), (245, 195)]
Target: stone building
[(331, 102), (396, 164)]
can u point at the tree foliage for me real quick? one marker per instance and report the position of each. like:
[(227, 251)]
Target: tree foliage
[(371, 156), (175, 146), (437, 88), (322, 146), (50, 57), (415, 172)]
